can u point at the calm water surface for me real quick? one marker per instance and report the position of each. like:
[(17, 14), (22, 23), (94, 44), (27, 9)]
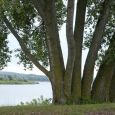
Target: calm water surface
[(14, 94)]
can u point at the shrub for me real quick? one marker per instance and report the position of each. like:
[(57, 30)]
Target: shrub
[(38, 101)]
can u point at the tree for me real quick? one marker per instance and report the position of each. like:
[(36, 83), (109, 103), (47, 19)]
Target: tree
[(36, 24)]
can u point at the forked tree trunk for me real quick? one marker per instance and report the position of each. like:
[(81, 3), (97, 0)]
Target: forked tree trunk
[(93, 51), (61, 79)]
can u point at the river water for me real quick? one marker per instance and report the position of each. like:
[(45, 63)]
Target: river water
[(14, 94)]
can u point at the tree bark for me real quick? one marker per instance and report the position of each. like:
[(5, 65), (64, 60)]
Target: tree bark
[(57, 69), (112, 88), (95, 45), (101, 85), (100, 89), (39, 5), (71, 50), (78, 36)]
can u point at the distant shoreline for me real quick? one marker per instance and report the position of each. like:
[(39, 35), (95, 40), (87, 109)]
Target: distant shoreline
[(11, 82), (20, 78)]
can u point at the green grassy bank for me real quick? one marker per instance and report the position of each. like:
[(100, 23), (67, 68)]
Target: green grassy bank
[(15, 82), (89, 109)]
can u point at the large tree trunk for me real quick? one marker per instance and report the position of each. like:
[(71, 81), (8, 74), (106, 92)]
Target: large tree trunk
[(57, 69), (112, 88), (71, 50), (78, 36), (101, 85), (100, 89), (58, 92), (112, 85), (95, 45)]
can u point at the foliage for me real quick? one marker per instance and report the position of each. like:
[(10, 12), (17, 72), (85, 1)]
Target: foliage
[(4, 49), (38, 102), (30, 26)]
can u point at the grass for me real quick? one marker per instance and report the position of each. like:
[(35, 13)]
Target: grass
[(15, 82), (88, 109)]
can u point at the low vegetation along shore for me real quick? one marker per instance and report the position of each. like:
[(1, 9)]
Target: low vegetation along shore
[(16, 82), (88, 109)]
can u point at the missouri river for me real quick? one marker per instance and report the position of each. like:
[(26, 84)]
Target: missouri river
[(14, 94)]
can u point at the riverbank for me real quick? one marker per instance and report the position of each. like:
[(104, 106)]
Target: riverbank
[(89, 109), (17, 82)]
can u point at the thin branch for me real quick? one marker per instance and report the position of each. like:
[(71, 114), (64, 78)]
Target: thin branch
[(24, 48), (39, 5)]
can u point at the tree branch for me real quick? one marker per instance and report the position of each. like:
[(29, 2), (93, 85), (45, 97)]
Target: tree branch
[(24, 48), (39, 5)]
